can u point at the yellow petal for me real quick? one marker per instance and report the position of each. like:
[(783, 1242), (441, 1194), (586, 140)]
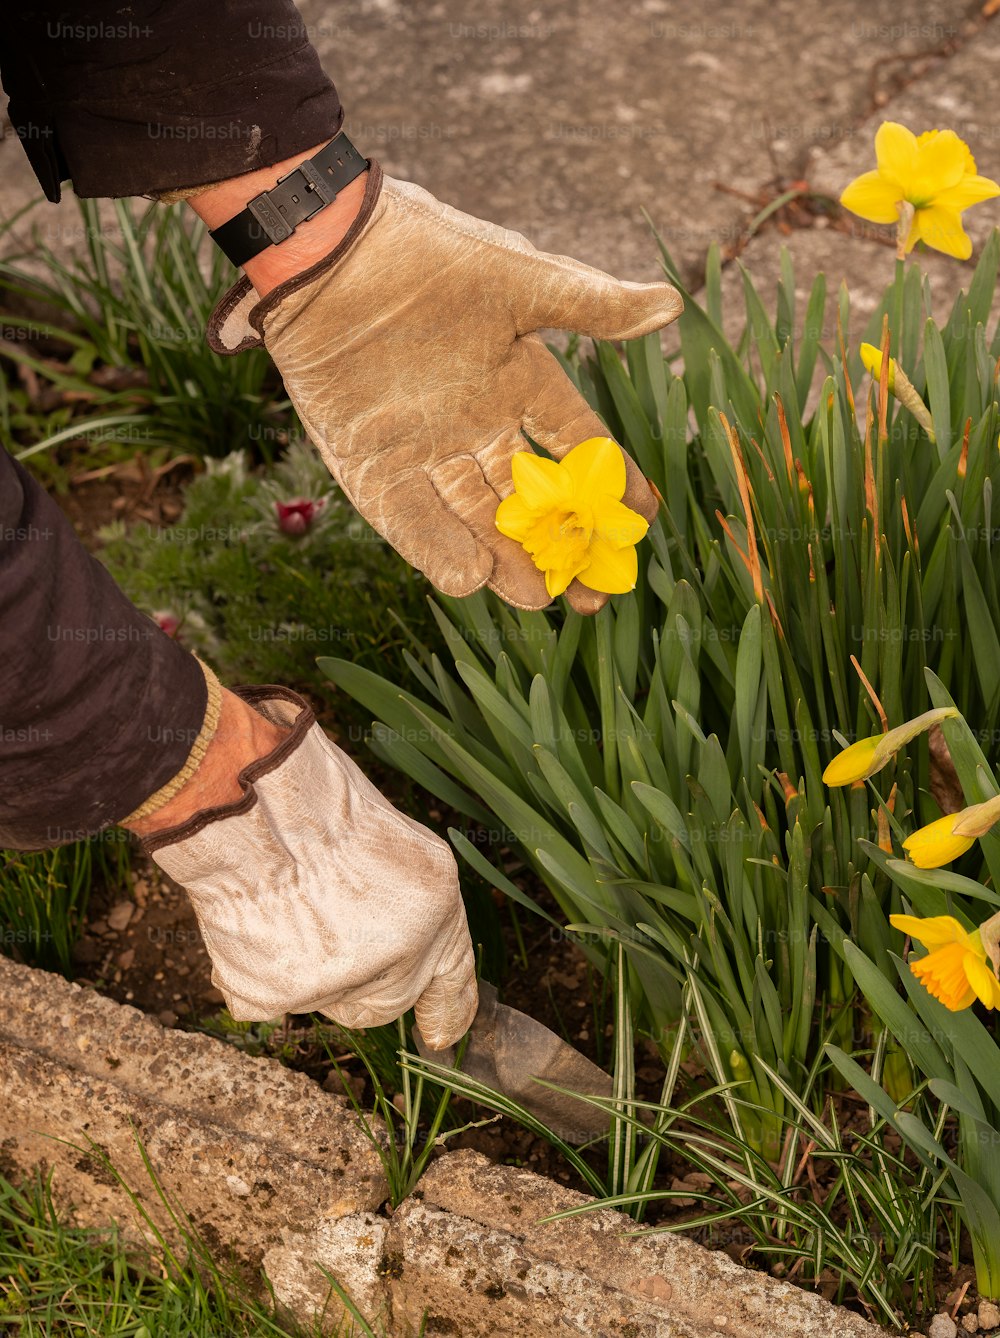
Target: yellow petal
[(970, 162), (896, 153), (872, 359), (969, 191), (936, 844), (597, 468), (612, 571), (853, 764), (942, 229), (543, 484), (982, 980), (558, 578), (618, 523), (872, 197), (515, 517), (933, 932), (940, 164)]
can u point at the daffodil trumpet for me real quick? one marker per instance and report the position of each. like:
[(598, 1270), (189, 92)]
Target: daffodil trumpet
[(569, 516), (955, 969)]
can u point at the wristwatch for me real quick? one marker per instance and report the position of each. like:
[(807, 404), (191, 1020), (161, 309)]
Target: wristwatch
[(273, 215)]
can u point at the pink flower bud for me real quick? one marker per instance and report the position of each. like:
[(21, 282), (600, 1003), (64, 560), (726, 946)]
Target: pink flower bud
[(297, 515), (167, 622)]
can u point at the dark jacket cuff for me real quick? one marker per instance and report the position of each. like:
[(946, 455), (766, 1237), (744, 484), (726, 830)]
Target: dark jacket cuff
[(160, 96), (98, 707)]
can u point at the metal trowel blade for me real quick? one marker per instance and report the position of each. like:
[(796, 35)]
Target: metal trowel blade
[(507, 1049)]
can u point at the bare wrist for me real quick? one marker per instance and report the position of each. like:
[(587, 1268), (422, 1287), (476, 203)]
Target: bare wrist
[(310, 241), (243, 735)]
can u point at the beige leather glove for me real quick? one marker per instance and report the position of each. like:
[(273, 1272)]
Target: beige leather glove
[(411, 356), (314, 894)]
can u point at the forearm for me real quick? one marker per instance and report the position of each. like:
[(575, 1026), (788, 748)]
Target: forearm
[(243, 735), (309, 242)]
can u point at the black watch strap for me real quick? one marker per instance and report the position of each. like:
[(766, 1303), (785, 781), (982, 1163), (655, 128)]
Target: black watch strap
[(273, 215)]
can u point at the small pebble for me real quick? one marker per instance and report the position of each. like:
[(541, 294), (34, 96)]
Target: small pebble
[(969, 1323), (126, 958), (942, 1326), (168, 1017), (120, 914), (989, 1315)]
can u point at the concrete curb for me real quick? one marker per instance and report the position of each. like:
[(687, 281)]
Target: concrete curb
[(472, 1236), (277, 1172), (248, 1148)]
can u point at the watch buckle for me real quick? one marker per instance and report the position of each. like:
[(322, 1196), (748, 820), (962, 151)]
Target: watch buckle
[(276, 227)]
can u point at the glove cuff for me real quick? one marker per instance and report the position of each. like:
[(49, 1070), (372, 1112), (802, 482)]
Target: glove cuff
[(280, 705), (237, 322)]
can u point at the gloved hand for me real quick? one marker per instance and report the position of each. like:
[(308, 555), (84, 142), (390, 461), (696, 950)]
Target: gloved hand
[(411, 356), (314, 894)]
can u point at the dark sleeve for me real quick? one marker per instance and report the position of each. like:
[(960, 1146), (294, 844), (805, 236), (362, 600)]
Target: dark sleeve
[(152, 96), (98, 708)]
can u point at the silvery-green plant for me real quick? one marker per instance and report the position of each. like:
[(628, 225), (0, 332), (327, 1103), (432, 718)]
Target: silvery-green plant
[(659, 766)]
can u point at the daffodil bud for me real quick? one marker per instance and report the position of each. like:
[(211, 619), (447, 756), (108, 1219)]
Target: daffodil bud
[(862, 759), (871, 356), (900, 385), (936, 844)]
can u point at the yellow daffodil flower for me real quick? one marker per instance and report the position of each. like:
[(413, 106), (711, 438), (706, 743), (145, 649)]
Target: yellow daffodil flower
[(955, 969), (932, 177), (947, 838), (569, 516), (862, 759)]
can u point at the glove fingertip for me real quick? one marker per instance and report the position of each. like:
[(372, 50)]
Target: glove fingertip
[(444, 1012), (585, 601), (646, 307)]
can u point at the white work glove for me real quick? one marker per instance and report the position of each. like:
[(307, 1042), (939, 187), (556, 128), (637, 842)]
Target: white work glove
[(314, 894)]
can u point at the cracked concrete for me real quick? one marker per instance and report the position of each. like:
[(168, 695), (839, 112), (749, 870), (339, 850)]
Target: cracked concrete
[(250, 1149), (276, 1175)]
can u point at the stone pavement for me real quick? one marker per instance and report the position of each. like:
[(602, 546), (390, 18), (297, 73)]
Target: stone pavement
[(953, 93), (566, 123)]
